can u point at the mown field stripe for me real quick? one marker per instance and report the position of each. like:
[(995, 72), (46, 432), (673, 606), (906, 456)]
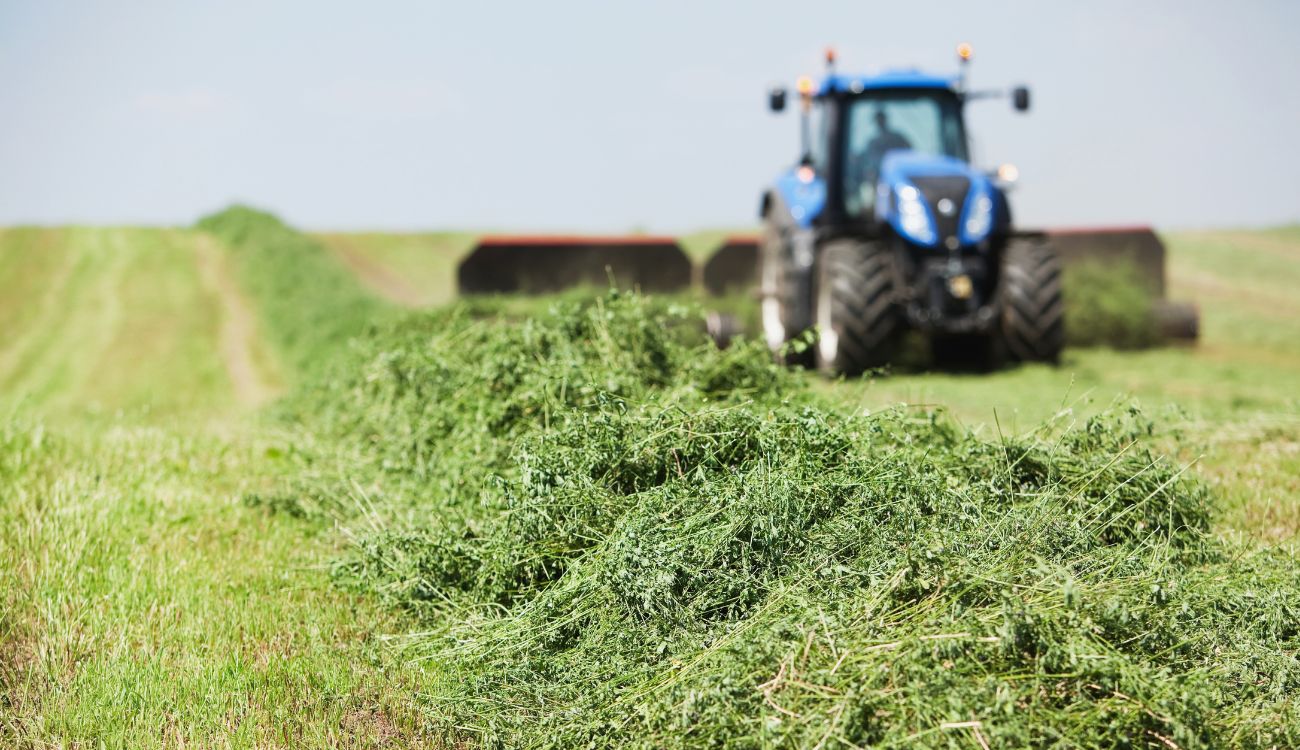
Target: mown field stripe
[(39, 266), (126, 319), (37, 370), (100, 319), (237, 337)]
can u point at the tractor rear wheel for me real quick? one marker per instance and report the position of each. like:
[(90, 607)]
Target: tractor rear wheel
[(857, 316), (1033, 326), (782, 306)]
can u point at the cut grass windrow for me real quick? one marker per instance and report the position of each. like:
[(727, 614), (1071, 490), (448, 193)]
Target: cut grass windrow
[(620, 536)]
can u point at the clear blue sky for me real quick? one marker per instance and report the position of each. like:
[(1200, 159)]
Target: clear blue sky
[(614, 115)]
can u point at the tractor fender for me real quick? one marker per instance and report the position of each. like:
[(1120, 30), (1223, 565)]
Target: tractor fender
[(802, 198)]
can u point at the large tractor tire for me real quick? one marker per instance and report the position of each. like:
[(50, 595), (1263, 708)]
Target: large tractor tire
[(1033, 325), (782, 307), (855, 309)]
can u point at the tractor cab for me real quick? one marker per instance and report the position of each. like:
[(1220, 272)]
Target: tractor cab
[(878, 117), (884, 175)]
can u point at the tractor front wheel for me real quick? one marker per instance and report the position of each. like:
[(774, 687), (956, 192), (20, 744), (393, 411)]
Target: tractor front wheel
[(857, 317), (1033, 326)]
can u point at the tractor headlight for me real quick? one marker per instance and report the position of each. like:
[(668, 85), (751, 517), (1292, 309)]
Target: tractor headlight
[(913, 218), (979, 217)]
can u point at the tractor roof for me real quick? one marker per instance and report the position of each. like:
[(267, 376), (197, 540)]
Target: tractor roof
[(890, 79)]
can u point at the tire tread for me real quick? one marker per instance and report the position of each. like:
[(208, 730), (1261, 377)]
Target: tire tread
[(1033, 313)]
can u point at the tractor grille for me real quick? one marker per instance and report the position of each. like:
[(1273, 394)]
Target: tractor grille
[(935, 189)]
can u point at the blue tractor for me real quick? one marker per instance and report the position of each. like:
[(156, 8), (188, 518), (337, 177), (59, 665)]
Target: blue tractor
[(884, 226)]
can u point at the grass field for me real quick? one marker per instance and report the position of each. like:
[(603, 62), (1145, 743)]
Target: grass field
[(141, 603), (91, 324), (418, 270), (145, 606), (146, 602)]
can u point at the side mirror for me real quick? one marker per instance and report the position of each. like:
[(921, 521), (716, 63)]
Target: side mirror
[(776, 99), (1020, 98)]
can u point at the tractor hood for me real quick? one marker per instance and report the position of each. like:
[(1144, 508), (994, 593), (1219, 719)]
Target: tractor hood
[(936, 201)]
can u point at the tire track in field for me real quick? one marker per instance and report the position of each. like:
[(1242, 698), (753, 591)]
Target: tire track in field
[(237, 335)]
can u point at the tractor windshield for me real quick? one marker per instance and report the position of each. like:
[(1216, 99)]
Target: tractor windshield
[(877, 122)]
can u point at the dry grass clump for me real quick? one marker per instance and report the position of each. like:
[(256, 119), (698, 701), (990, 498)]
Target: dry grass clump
[(619, 536)]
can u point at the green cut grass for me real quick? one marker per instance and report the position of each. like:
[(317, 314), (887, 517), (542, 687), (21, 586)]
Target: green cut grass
[(619, 535), (1107, 305), (1232, 394), (310, 305)]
